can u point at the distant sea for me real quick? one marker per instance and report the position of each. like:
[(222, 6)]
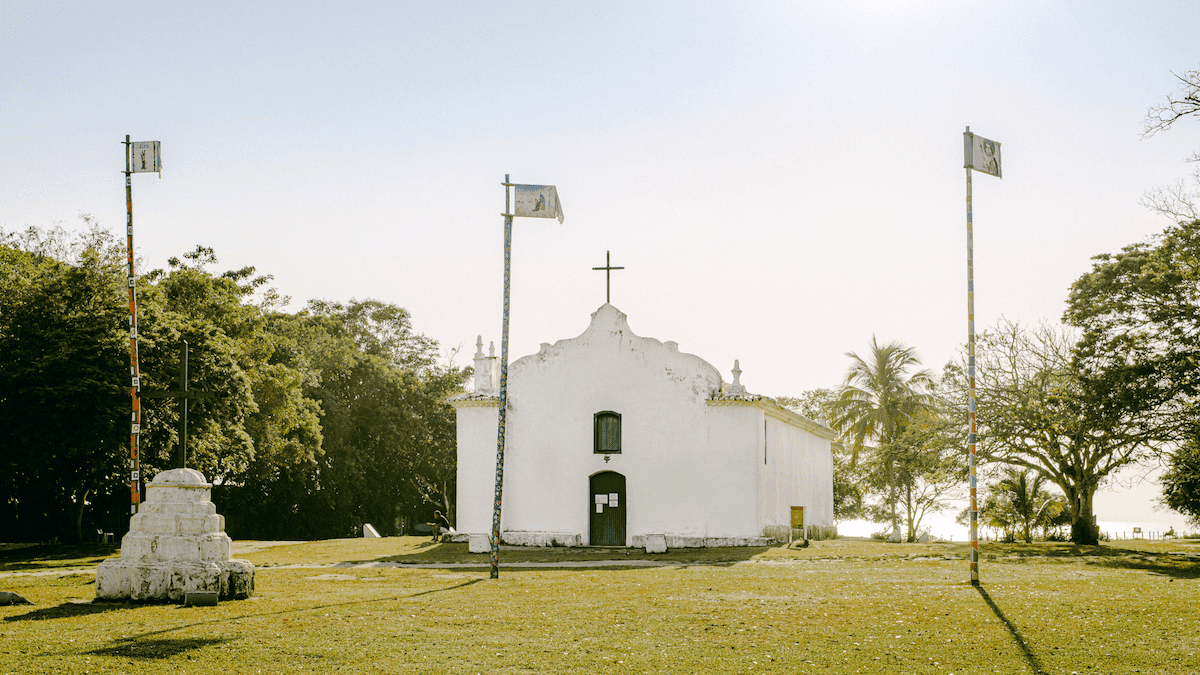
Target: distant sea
[(942, 526)]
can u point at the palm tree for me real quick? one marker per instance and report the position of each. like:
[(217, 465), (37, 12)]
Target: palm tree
[(1029, 503), (879, 398)]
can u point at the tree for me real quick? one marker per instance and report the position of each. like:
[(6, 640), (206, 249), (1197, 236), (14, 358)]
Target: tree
[(994, 514), (1038, 411), (1162, 116), (1177, 201), (1181, 481), (920, 468), (327, 419), (387, 434), (380, 329), (387, 423), (1017, 504), (1139, 311), (222, 330), (1028, 504), (878, 399), (64, 397)]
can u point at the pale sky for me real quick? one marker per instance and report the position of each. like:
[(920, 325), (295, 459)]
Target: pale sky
[(781, 180)]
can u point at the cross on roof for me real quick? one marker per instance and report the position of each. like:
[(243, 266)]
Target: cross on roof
[(183, 394), (608, 268)]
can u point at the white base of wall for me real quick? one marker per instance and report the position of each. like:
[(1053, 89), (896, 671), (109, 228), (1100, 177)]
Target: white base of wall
[(540, 539), (784, 533), (712, 542), (646, 541)]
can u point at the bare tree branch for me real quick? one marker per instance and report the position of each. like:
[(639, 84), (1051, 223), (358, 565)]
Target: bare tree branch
[(1161, 117)]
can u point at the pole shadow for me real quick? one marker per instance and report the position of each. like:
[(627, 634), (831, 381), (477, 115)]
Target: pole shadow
[(1031, 659), (134, 648), (68, 609)]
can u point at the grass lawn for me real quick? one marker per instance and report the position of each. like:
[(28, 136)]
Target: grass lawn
[(841, 606)]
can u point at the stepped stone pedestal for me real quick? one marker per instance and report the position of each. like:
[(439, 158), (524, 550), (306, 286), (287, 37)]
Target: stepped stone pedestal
[(176, 544)]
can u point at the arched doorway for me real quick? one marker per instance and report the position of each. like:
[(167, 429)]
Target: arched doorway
[(607, 506)]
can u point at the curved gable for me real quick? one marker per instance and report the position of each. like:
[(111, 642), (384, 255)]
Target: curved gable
[(609, 355)]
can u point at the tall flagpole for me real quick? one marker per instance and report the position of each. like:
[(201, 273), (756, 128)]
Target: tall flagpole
[(495, 550), (535, 201), (971, 437), (135, 493)]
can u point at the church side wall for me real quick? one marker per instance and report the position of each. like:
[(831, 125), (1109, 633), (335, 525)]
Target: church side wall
[(796, 472), (730, 479), (476, 468)]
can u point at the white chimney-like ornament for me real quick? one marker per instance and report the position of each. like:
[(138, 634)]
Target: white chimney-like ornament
[(736, 387)]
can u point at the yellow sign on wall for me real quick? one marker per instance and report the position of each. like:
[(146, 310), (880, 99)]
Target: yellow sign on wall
[(797, 517)]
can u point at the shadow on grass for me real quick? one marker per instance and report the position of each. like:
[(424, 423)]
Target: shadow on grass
[(45, 555), (1165, 564), (141, 638), (68, 610), (135, 648), (514, 555), (1031, 659)]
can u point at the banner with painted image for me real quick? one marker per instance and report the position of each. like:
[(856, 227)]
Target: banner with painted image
[(537, 201), (981, 154), (145, 157)]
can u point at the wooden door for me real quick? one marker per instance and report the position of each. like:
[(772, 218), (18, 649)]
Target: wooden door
[(606, 502)]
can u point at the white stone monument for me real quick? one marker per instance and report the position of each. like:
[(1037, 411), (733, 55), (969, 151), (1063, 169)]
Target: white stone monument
[(176, 544)]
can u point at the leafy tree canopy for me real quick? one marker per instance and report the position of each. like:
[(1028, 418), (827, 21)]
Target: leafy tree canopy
[(328, 418)]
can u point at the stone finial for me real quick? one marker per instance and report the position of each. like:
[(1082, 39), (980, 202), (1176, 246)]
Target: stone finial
[(483, 371), (736, 387), (492, 349)]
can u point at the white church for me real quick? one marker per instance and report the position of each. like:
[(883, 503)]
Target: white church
[(618, 440)]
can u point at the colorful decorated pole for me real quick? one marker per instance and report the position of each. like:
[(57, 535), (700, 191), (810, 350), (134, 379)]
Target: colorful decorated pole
[(495, 542), (982, 155), (139, 157), (535, 201), (135, 430)]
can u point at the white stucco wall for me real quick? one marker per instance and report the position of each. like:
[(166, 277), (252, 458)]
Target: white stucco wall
[(692, 465), (476, 435), (797, 472), (554, 395), (731, 475)]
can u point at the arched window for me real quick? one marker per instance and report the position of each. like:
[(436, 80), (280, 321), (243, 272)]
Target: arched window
[(608, 432)]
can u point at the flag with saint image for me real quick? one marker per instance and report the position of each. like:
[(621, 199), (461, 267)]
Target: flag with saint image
[(145, 157), (981, 154), (537, 201)]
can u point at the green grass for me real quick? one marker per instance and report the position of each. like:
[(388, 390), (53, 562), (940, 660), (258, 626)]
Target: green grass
[(840, 606)]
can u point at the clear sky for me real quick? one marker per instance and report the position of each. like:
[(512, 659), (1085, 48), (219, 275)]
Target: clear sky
[(781, 180)]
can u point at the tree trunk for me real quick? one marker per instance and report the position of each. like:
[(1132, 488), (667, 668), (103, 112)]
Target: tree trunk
[(79, 505), (451, 511), (908, 517), (1083, 529), (892, 497)]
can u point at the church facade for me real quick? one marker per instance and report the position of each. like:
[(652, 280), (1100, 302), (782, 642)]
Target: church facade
[(613, 439)]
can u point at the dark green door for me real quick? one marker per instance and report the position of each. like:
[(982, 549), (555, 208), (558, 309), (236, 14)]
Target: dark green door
[(607, 505)]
